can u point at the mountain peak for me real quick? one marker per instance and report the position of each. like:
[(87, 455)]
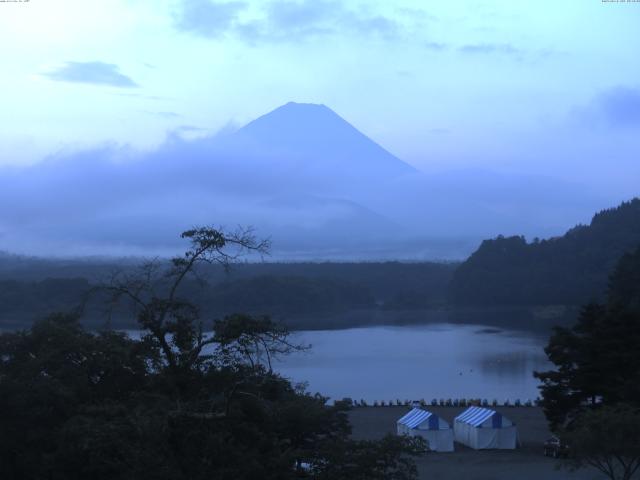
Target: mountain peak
[(310, 131), (297, 108), (300, 117), (304, 105)]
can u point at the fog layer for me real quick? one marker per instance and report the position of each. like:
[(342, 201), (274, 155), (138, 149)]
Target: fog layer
[(300, 174)]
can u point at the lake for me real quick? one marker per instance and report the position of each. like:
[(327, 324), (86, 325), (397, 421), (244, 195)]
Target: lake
[(416, 362)]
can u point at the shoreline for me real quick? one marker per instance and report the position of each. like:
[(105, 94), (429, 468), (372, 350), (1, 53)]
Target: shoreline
[(536, 319), (532, 319)]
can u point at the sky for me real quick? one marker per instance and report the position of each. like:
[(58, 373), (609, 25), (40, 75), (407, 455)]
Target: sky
[(543, 88), (436, 83)]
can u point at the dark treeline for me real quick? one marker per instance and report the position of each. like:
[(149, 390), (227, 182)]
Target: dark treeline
[(571, 269), (21, 301), (30, 288), (385, 281)]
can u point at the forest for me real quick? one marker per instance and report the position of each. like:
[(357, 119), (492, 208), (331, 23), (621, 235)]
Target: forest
[(567, 270), (503, 272), (30, 288)]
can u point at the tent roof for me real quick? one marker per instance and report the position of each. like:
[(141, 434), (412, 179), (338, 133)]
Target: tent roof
[(475, 416), (415, 417)]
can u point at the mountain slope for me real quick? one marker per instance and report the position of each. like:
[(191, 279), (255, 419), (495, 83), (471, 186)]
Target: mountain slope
[(316, 139), (571, 269)]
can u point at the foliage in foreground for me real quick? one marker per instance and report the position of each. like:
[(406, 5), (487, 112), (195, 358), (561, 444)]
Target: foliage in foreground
[(607, 439), (178, 403), (592, 398), (598, 359)]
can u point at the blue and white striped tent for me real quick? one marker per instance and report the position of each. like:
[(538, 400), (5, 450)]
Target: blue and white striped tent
[(483, 428), (422, 423)]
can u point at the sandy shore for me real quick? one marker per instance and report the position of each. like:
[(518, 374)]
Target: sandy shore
[(525, 463)]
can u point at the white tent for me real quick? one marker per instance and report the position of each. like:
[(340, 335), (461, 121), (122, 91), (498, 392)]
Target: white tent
[(482, 428), (435, 430)]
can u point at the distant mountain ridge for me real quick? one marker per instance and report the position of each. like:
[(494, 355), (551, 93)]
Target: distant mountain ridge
[(571, 269)]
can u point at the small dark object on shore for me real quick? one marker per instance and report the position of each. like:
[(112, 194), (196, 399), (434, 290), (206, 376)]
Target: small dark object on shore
[(554, 447)]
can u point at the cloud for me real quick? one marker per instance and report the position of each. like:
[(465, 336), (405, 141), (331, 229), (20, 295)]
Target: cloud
[(289, 19), (112, 200), (416, 14), (619, 106), (437, 46), (489, 48), (207, 18), (615, 107), (141, 96), (280, 20), (164, 114), (190, 128), (96, 73)]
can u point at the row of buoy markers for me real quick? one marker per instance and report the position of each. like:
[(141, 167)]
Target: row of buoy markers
[(442, 403)]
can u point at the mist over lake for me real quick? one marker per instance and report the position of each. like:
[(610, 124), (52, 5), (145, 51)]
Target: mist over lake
[(415, 362)]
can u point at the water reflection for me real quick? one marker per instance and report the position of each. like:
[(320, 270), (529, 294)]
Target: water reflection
[(413, 362), (513, 364)]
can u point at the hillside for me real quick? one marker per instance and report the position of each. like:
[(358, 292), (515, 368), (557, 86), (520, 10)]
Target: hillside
[(571, 269)]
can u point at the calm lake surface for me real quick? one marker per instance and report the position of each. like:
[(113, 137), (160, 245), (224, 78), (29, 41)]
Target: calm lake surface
[(415, 362)]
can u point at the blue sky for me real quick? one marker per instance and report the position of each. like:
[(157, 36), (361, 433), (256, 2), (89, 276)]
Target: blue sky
[(544, 87)]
